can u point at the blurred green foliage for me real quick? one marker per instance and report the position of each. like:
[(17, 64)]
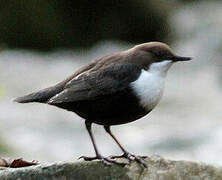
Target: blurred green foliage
[(1, 91), (48, 24), (4, 149), (30, 24)]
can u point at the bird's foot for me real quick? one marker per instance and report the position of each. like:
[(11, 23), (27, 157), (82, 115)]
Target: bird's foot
[(106, 161), (132, 157)]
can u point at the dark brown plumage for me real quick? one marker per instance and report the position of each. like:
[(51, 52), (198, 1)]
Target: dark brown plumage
[(102, 91)]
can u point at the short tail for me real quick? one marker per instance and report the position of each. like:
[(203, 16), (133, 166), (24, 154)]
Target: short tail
[(41, 96)]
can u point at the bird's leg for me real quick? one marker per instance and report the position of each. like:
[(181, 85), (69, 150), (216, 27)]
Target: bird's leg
[(125, 154), (98, 156)]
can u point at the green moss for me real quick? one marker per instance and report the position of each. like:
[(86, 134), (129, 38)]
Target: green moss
[(4, 148), (1, 91)]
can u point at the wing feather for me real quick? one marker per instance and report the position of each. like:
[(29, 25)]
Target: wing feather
[(109, 80)]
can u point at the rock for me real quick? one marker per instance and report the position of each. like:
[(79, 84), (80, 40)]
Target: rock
[(158, 168)]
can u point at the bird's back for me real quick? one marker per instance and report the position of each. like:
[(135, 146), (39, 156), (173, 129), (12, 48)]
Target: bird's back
[(44, 95)]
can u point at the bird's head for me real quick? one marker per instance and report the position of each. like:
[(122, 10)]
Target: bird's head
[(158, 52), (156, 56)]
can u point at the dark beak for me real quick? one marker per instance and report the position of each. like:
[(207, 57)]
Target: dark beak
[(180, 58)]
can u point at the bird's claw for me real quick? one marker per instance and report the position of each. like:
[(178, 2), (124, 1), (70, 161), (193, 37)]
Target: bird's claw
[(106, 161), (86, 158), (132, 157)]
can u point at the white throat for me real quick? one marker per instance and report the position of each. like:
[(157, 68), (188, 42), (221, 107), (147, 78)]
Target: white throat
[(160, 68), (150, 84)]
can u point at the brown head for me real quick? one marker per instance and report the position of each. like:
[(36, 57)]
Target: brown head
[(148, 53)]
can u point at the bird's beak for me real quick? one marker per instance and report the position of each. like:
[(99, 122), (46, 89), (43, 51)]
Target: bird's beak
[(181, 58)]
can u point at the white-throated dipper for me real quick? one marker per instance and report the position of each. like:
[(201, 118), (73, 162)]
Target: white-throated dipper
[(112, 90)]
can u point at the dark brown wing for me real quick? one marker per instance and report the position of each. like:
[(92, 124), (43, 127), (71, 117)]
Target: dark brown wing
[(44, 95), (92, 85)]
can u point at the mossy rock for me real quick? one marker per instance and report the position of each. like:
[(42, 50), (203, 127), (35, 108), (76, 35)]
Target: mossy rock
[(158, 168)]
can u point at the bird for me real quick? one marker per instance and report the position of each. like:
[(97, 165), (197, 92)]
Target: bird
[(115, 89)]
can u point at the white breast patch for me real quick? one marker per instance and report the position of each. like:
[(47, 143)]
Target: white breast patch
[(150, 84)]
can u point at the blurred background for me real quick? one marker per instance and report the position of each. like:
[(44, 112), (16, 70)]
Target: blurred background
[(42, 42)]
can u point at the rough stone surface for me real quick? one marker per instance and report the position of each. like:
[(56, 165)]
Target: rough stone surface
[(158, 169)]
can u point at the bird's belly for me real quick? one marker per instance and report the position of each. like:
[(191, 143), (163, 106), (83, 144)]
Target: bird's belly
[(119, 108)]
